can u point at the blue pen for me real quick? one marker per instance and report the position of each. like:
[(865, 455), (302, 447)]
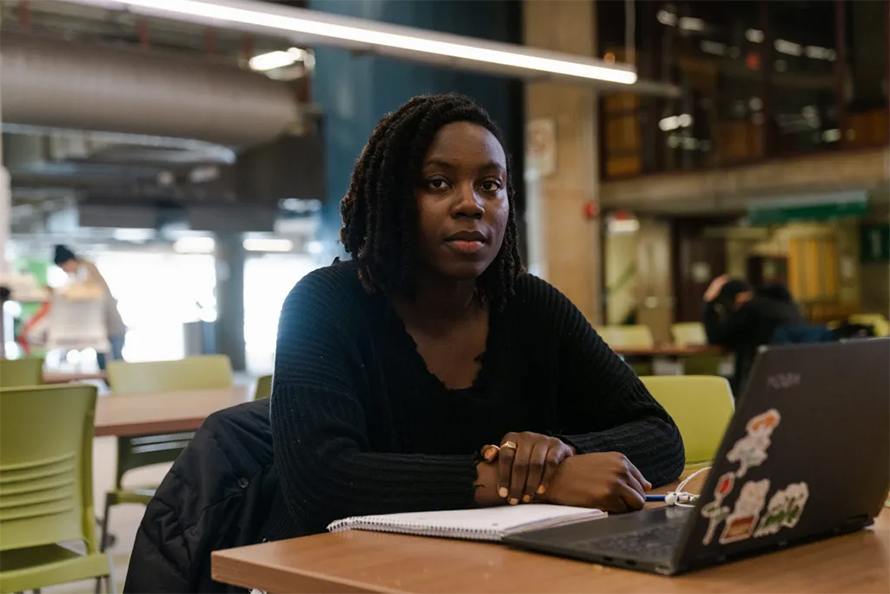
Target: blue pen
[(654, 497)]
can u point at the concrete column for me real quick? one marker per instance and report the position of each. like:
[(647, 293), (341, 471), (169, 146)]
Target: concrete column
[(230, 298), (565, 246), (5, 217)]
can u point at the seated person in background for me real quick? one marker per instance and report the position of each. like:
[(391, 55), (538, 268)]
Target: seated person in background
[(741, 319), (393, 370)]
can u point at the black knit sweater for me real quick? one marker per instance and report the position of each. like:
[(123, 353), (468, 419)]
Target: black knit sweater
[(360, 426)]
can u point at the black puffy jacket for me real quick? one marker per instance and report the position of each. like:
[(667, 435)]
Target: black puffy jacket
[(216, 496)]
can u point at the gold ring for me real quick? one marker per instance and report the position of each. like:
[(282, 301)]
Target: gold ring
[(508, 445)]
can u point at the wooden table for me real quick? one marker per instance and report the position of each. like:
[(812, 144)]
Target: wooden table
[(377, 562), (669, 350), (64, 377), (162, 412)]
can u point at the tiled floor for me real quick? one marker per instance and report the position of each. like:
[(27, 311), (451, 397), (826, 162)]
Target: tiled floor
[(124, 518)]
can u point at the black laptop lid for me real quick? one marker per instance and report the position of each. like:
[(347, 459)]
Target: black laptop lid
[(807, 452)]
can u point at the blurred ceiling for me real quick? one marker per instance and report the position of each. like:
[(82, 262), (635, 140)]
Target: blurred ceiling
[(109, 107), (84, 23)]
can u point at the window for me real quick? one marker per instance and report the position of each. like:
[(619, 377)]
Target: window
[(804, 107), (865, 76), (758, 80)]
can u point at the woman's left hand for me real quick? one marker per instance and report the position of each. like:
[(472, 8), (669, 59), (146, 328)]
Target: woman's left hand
[(526, 464)]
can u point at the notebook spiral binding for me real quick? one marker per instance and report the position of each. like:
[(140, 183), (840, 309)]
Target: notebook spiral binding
[(415, 529)]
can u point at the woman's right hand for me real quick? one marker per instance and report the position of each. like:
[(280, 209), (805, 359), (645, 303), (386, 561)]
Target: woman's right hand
[(713, 290), (606, 481), (527, 466)]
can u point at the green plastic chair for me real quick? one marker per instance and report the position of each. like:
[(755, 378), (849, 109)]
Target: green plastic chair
[(693, 334), (700, 405), (192, 373), (15, 373), (638, 336), (877, 321), (633, 336), (46, 488), (263, 387)]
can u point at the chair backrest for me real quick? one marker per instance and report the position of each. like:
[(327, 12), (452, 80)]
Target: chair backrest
[(263, 387), (689, 334), (878, 322), (700, 405), (77, 324), (15, 373), (202, 372), (46, 466), (627, 336)]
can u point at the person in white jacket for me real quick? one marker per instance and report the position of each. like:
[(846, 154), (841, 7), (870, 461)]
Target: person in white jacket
[(68, 261)]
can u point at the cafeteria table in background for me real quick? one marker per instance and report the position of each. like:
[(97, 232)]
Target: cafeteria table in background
[(163, 412)]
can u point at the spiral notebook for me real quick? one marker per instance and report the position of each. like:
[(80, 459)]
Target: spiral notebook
[(489, 524)]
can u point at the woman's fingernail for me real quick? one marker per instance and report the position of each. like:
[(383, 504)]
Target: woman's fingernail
[(514, 501), (541, 489), (502, 491), (526, 498)]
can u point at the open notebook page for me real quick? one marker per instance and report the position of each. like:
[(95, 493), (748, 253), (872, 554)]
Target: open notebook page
[(491, 523)]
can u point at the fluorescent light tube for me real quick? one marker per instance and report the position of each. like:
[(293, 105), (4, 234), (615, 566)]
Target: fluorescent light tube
[(377, 36)]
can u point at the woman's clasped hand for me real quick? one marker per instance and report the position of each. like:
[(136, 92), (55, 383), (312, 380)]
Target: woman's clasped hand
[(529, 467)]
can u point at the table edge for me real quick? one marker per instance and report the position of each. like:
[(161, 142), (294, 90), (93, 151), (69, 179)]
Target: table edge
[(226, 570)]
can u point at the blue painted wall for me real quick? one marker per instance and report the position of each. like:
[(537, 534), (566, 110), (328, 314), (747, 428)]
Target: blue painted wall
[(355, 91)]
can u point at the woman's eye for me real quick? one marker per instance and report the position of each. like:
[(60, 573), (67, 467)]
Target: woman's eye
[(491, 185), (437, 184)]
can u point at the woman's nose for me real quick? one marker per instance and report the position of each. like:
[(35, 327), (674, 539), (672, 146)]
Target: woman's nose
[(468, 203)]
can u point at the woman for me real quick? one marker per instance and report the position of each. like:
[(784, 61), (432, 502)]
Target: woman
[(392, 369), (68, 261)]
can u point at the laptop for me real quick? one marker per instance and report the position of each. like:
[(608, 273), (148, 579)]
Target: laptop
[(805, 457)]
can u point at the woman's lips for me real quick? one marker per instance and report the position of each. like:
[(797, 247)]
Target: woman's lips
[(466, 246)]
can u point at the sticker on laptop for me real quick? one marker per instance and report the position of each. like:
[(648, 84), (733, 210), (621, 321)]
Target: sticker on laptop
[(751, 450), (714, 510), (740, 524), (784, 509)]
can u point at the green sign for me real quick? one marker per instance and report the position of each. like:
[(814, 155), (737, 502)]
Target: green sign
[(779, 214), (874, 243)]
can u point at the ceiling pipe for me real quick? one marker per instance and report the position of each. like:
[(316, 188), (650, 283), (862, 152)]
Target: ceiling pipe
[(60, 84)]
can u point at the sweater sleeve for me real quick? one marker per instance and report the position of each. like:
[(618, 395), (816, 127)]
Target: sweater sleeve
[(602, 403), (319, 414)]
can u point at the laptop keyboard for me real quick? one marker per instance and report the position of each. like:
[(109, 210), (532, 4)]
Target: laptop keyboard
[(656, 542)]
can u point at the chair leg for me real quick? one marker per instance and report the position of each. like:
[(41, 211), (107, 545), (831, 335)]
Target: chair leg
[(104, 537), (110, 587)]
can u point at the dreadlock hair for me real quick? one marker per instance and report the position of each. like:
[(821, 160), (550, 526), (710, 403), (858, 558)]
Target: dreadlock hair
[(379, 209)]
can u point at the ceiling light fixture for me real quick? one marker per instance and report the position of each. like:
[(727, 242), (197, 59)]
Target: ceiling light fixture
[(194, 245), (308, 26), (278, 59), (264, 244), (271, 61)]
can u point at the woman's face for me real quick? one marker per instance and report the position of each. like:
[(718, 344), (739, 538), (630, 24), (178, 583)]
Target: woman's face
[(462, 203), (70, 266)]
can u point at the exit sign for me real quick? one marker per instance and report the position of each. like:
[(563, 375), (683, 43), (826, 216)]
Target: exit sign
[(875, 243)]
